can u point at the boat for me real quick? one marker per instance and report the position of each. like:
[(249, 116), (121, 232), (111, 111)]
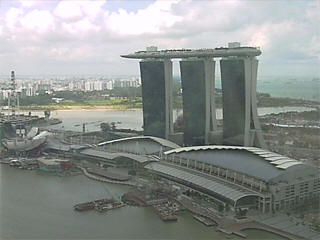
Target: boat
[(101, 205), (84, 206)]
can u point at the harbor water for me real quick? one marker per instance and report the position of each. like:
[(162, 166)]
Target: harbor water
[(133, 119), (34, 205)]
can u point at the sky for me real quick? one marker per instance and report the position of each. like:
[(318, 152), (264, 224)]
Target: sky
[(87, 37)]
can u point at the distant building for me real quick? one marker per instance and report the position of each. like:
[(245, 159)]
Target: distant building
[(152, 49), (123, 83), (233, 45), (97, 86), (109, 85)]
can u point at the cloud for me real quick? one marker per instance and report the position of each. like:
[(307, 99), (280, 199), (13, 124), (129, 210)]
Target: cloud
[(12, 18), (64, 35), (76, 10), (29, 3), (153, 19), (37, 21), (69, 11)]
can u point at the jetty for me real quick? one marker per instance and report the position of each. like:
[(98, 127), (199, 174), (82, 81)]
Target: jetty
[(204, 220)]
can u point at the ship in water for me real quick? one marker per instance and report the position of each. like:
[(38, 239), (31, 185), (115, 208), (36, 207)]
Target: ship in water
[(101, 205)]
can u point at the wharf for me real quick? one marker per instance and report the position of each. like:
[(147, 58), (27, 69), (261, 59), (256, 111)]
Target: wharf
[(204, 220)]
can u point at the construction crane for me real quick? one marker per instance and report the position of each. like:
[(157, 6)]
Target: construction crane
[(13, 100)]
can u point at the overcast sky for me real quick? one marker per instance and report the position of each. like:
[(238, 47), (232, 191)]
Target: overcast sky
[(87, 37)]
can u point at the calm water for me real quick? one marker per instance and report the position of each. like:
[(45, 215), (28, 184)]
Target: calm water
[(291, 88), (307, 88), (73, 119), (39, 206)]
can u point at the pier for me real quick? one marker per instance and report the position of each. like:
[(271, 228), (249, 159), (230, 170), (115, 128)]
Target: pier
[(204, 220)]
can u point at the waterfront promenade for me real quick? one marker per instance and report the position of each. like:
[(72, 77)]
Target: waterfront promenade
[(269, 224), (292, 225)]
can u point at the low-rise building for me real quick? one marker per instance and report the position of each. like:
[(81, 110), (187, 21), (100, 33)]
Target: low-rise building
[(242, 176)]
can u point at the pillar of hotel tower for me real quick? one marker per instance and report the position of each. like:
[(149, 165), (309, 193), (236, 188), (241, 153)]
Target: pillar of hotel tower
[(199, 116), (156, 78), (240, 119)]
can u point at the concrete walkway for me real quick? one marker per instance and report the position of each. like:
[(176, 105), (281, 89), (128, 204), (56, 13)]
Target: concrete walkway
[(291, 225)]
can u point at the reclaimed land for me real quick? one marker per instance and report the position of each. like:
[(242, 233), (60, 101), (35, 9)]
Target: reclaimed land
[(132, 104)]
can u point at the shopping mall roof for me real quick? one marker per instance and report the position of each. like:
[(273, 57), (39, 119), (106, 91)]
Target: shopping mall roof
[(201, 181), (161, 141), (259, 163), (113, 155)]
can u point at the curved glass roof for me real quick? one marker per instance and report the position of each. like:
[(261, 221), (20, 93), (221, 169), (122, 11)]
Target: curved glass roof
[(259, 163), (161, 141)]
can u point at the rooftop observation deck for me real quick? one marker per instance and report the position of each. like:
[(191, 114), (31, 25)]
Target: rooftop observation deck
[(202, 53)]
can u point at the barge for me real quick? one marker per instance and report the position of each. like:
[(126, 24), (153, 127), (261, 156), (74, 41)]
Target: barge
[(164, 213), (101, 205)]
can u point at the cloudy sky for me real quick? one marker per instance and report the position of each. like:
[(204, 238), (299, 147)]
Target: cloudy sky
[(87, 37)]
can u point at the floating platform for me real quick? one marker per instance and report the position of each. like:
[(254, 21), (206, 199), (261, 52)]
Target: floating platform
[(166, 214)]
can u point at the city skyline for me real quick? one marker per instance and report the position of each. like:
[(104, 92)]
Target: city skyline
[(83, 37)]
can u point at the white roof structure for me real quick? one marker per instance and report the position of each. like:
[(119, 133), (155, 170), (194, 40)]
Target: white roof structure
[(161, 141), (252, 161)]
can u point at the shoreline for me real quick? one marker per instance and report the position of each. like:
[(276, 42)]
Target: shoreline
[(114, 107), (79, 107)]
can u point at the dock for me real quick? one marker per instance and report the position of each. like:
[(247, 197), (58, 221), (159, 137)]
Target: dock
[(204, 220)]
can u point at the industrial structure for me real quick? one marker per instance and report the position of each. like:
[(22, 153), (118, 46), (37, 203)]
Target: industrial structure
[(13, 99), (197, 67)]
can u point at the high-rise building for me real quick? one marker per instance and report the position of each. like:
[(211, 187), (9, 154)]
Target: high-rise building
[(197, 78), (240, 121), (156, 79), (238, 75)]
